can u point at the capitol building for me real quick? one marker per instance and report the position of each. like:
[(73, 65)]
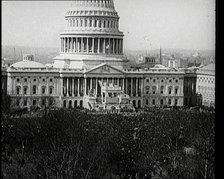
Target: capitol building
[(92, 72)]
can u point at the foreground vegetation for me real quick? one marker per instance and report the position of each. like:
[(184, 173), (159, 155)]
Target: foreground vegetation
[(71, 144)]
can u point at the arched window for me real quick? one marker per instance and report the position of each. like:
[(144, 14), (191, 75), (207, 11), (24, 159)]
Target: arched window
[(25, 89), (161, 102), (34, 89), (75, 103), (51, 89), (154, 89), (170, 89), (64, 103), (17, 102), (18, 90), (70, 104), (176, 90), (139, 104), (170, 102), (81, 103), (161, 89), (43, 89)]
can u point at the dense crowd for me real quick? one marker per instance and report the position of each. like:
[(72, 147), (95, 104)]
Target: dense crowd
[(155, 142)]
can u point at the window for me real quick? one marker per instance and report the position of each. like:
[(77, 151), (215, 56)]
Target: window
[(154, 80), (18, 90), (147, 92), (176, 102), (64, 103), (25, 80), (176, 81), (25, 90), (17, 102), (170, 89), (161, 102), (153, 102), (43, 102), (34, 102), (17, 80), (44, 80), (147, 102), (34, 89), (43, 90), (50, 102), (169, 101), (170, 81), (161, 89), (25, 102), (162, 81), (51, 80), (154, 89), (34, 80), (147, 80), (51, 90), (176, 90)]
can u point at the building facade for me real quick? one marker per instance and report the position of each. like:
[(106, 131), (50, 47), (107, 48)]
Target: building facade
[(91, 53), (206, 84)]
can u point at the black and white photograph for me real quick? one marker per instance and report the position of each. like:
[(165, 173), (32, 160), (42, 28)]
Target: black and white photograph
[(108, 89)]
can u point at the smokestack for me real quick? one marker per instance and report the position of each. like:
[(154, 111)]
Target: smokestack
[(160, 56)]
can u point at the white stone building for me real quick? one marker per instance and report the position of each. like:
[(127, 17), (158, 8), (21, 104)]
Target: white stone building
[(91, 51), (206, 84)]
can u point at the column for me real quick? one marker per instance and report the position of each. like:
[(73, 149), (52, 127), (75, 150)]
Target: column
[(113, 46), (131, 86), (107, 81), (126, 90), (123, 84), (67, 87), (117, 46), (73, 84), (98, 50), (109, 45), (93, 45), (96, 86), (136, 86), (78, 87), (142, 80), (69, 45), (91, 83), (104, 45), (72, 45), (87, 45), (85, 92), (82, 45), (64, 44), (76, 44)]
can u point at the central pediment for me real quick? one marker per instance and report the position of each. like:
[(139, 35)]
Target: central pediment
[(104, 69)]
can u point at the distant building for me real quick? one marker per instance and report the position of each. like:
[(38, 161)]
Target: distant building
[(206, 84), (6, 62), (172, 62), (146, 61)]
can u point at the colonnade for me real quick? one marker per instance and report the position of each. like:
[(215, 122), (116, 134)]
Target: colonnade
[(91, 45), (79, 86)]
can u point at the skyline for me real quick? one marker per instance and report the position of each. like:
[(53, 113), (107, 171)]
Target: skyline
[(153, 23)]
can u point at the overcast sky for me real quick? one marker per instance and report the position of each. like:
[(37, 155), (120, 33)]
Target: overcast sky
[(147, 24)]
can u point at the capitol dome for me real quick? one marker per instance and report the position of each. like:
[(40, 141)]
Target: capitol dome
[(27, 64), (91, 32)]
